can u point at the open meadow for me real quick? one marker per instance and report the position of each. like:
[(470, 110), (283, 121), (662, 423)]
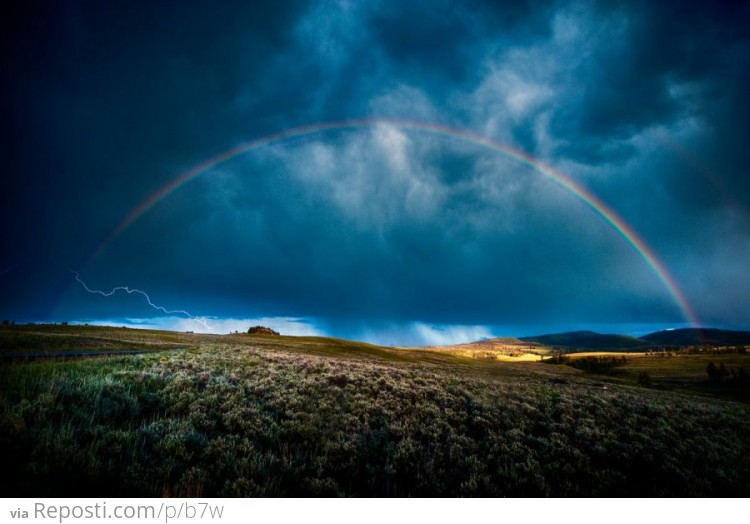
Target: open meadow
[(263, 415)]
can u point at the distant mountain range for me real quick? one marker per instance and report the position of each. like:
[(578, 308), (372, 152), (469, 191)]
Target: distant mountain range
[(590, 340), (672, 337), (691, 337)]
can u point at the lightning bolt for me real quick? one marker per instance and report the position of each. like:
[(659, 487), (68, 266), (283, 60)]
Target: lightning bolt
[(131, 291)]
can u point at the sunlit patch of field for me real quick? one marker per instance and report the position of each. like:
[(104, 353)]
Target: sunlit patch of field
[(503, 349), (585, 354), (261, 415), (499, 355), (523, 357)]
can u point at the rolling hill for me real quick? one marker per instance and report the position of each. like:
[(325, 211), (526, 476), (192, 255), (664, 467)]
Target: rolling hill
[(495, 348), (590, 340), (694, 337)]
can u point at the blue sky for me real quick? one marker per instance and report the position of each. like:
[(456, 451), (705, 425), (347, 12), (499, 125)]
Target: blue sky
[(382, 233)]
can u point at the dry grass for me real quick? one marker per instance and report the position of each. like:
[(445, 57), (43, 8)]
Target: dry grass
[(504, 349)]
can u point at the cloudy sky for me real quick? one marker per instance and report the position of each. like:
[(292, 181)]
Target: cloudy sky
[(386, 231)]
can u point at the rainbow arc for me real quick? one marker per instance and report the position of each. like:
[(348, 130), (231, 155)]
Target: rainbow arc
[(562, 180)]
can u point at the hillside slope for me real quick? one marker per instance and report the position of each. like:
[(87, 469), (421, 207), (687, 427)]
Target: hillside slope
[(254, 415), (590, 340), (694, 337)]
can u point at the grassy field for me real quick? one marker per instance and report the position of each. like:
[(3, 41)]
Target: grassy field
[(504, 349), (240, 415), (56, 338), (673, 371)]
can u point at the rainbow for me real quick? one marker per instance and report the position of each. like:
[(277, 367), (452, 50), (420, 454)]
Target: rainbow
[(573, 187)]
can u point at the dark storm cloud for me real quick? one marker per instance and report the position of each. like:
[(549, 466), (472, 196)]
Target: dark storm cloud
[(653, 63), (644, 103), (105, 100), (438, 41)]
